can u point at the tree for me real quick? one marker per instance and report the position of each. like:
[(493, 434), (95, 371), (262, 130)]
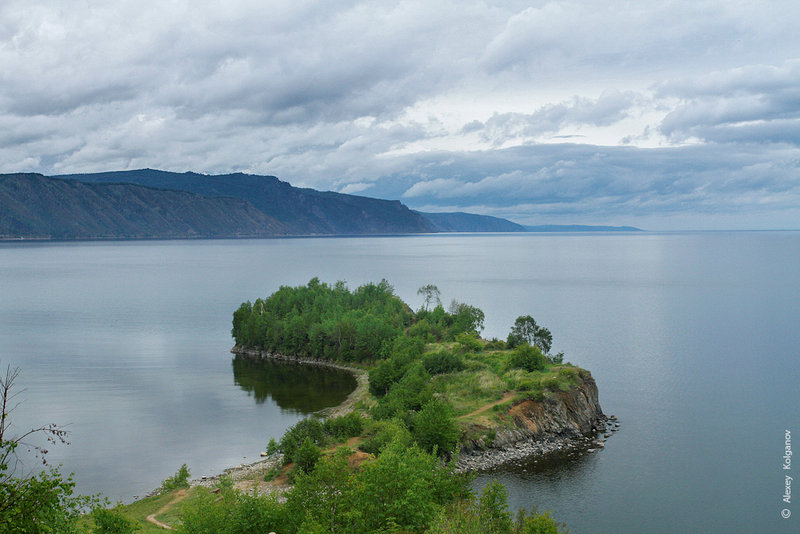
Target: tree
[(466, 318), (33, 502), (432, 295), (525, 330), (435, 427)]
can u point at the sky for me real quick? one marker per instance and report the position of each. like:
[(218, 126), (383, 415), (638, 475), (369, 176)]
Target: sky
[(665, 115)]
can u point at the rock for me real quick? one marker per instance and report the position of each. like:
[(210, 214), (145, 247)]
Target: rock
[(264, 454)]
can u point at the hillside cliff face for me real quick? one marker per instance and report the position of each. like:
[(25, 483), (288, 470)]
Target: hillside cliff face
[(302, 211), (38, 207), (557, 422)]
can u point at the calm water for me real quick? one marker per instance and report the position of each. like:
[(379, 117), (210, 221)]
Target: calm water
[(693, 340)]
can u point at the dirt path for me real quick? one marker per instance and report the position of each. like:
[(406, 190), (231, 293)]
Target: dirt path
[(507, 397), (179, 496)]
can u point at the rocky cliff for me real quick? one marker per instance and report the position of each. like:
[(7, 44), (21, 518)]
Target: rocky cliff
[(560, 420)]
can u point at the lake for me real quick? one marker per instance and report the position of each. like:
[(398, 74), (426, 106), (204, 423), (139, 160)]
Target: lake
[(693, 339)]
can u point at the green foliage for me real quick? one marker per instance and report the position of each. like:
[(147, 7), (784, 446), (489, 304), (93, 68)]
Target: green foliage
[(404, 487), (112, 522), (291, 441), (442, 361), (466, 319), (493, 508), (40, 503), (407, 395), (469, 342), (525, 330), (324, 322), (234, 513), (35, 502), (324, 497), (540, 523), (431, 294), (490, 515), (307, 455), (273, 446), (404, 352), (528, 358), (344, 427), (495, 344), (435, 428), (379, 434), (179, 480)]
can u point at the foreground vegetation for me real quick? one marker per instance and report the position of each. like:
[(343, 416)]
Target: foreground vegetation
[(388, 466)]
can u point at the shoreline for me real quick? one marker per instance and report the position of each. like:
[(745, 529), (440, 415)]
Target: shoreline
[(262, 466), (518, 445)]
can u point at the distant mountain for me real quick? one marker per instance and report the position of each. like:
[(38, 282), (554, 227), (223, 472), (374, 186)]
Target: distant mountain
[(149, 203), (301, 211), (580, 228), (35, 206), (469, 222)]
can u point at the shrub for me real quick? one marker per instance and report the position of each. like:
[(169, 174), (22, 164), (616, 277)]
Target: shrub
[(409, 394), (528, 358), (176, 481), (111, 522), (307, 455), (495, 344), (435, 428), (442, 362), (381, 433), (346, 426), (469, 342), (295, 436), (403, 352)]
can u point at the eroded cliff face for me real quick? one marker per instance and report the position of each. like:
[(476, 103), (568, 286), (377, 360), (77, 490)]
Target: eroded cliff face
[(560, 420), (566, 413)]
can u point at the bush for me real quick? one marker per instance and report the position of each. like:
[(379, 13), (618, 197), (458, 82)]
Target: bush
[(295, 436), (528, 358), (111, 522), (435, 428), (307, 455), (404, 351), (442, 362), (381, 433), (469, 342), (495, 344), (176, 481), (409, 394), (346, 426)]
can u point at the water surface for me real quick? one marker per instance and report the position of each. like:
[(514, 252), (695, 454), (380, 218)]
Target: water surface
[(692, 338)]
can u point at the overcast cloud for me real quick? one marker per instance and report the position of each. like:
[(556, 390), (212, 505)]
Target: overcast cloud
[(661, 115)]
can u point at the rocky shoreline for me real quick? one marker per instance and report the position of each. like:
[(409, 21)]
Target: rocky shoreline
[(572, 421), (517, 445)]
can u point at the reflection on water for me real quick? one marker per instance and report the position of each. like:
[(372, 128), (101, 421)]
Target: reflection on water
[(293, 387)]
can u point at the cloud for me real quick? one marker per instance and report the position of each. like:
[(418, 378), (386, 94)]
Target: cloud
[(437, 103), (754, 103), (355, 187), (586, 183), (609, 108)]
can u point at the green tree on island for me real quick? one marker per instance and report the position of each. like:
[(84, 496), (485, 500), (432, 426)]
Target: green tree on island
[(525, 330)]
